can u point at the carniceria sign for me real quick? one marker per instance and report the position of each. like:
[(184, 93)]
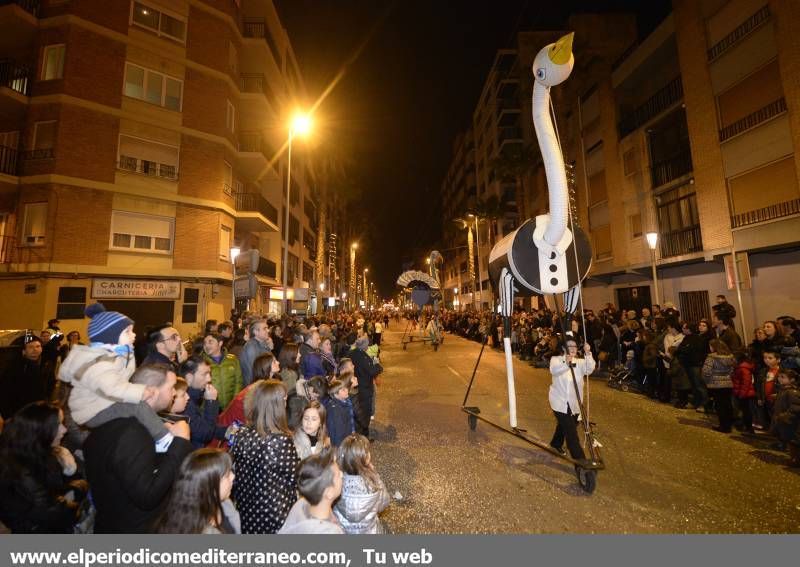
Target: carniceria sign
[(107, 288)]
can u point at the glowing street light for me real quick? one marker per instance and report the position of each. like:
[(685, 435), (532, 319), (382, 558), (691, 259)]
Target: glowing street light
[(301, 125), (652, 242)]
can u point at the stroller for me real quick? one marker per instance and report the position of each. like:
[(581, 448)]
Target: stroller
[(624, 377)]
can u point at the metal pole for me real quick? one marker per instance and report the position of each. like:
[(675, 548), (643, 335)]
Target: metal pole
[(286, 225), (480, 269), (655, 276), (233, 287)]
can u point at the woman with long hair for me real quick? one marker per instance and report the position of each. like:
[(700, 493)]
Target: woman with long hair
[(265, 459), (364, 495), (289, 359), (34, 472), (200, 499)]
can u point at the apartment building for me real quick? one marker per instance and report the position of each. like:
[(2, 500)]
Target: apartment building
[(694, 136), (139, 142)]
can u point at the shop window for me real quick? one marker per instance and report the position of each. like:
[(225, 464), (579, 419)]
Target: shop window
[(191, 297)]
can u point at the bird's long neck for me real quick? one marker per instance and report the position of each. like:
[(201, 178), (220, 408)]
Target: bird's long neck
[(553, 164)]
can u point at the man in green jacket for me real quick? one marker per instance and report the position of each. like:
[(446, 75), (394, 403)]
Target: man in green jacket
[(226, 374)]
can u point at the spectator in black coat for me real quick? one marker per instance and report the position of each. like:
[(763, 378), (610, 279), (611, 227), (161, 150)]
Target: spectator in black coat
[(366, 371), (130, 481), (29, 378), (203, 407)]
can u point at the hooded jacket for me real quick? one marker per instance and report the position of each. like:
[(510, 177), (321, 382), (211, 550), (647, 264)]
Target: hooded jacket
[(358, 508), (100, 378), (226, 377)]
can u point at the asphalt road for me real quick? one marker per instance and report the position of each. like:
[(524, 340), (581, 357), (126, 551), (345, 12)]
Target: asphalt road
[(667, 470)]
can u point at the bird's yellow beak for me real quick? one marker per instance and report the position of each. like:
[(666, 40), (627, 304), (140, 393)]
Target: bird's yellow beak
[(561, 50)]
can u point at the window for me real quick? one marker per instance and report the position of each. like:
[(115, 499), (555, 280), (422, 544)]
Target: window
[(173, 27), (153, 87), (230, 117), (678, 221), (34, 224), (148, 158), (225, 240), (53, 62), (694, 305), (44, 135), (636, 225), (191, 297), (141, 233), (71, 302), (308, 272)]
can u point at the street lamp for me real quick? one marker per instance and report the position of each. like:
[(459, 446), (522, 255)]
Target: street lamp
[(301, 125), (652, 241), (480, 269), (234, 253), (364, 287), (353, 248)]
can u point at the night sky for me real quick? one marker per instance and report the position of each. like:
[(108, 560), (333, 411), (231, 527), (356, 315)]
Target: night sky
[(393, 116)]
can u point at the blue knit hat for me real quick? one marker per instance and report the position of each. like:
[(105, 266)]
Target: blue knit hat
[(105, 326)]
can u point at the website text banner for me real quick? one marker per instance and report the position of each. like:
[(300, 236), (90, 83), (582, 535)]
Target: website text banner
[(394, 551)]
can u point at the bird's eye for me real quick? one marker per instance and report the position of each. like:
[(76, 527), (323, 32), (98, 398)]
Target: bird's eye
[(540, 73)]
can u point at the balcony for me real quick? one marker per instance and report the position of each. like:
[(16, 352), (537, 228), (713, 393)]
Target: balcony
[(255, 213), (739, 33), (257, 28), (15, 77), (652, 107), (753, 119), (772, 212), (41, 153), (148, 168), (680, 242), (8, 160), (670, 169)]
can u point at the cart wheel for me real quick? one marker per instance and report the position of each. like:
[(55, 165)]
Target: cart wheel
[(624, 387), (473, 422), (587, 478)]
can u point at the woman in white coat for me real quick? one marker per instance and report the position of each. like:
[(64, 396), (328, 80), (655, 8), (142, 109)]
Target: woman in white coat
[(563, 398)]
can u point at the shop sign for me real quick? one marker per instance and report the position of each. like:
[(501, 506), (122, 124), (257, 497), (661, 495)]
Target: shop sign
[(112, 288)]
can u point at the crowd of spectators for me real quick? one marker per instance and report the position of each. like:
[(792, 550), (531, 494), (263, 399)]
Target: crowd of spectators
[(750, 384), (256, 426)]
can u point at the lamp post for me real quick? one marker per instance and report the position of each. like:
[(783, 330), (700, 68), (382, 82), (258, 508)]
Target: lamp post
[(480, 269), (234, 253), (652, 241), (365, 289), (301, 124), (353, 248)]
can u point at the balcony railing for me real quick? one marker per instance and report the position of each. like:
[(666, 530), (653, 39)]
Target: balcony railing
[(679, 242), (742, 31), (772, 212), (31, 6), (251, 82), (670, 169), (147, 167), (15, 76), (753, 119), (8, 160), (41, 153), (254, 28), (254, 202), (656, 104)]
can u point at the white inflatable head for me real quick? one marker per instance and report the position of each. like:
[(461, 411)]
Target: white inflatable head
[(554, 62)]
